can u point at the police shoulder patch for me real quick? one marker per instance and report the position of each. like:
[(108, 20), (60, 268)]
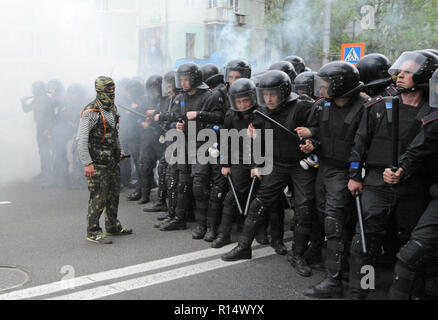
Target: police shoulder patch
[(430, 118), (372, 101)]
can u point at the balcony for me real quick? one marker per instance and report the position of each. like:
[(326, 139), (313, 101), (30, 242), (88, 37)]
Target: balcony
[(219, 15)]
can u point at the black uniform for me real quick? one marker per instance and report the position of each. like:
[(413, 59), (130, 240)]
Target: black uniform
[(44, 114), (423, 244), (337, 127), (406, 201), (196, 177)]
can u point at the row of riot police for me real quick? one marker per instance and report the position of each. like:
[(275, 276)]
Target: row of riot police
[(328, 137), (55, 112)]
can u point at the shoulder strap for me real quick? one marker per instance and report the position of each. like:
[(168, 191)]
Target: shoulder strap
[(430, 118)]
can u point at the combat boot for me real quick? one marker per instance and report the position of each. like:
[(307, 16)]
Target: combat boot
[(330, 287), (261, 235), (211, 233), (158, 206), (163, 221), (174, 224), (221, 240), (279, 246), (144, 199), (238, 253), (300, 265), (199, 232), (163, 216), (134, 196)]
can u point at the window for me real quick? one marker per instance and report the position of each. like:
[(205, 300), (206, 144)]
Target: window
[(190, 45), (101, 5)]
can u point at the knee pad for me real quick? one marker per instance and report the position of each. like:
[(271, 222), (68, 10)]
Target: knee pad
[(171, 183), (184, 184), (333, 227), (200, 191), (304, 216), (229, 200), (217, 194), (413, 254), (257, 209)]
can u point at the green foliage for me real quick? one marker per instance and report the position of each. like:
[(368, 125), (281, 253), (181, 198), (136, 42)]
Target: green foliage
[(296, 26)]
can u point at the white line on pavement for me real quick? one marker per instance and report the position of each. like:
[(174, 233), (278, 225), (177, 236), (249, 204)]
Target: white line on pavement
[(116, 273), (5, 202), (157, 278)]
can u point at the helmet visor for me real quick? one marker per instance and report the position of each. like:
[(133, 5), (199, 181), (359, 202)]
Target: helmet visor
[(409, 61), (234, 73), (243, 101), (270, 97), (183, 80), (323, 87), (433, 91)]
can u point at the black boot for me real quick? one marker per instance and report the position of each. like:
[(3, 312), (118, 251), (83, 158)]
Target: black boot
[(221, 240), (211, 233), (174, 224), (158, 206), (261, 234), (279, 246), (144, 199), (199, 231), (300, 265), (238, 253), (134, 196), (330, 287), (163, 216)]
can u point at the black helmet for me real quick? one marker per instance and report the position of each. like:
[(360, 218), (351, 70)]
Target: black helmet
[(338, 78), (276, 82), (421, 63), (433, 90), (304, 83), (286, 67), (242, 89), (238, 65), (39, 88), (256, 77), (153, 85), (212, 75), (297, 62), (193, 72), (169, 79), (135, 88), (373, 72)]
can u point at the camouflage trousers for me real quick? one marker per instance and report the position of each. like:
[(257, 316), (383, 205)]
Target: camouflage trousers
[(104, 189)]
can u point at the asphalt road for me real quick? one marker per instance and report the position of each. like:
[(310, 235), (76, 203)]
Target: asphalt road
[(43, 232)]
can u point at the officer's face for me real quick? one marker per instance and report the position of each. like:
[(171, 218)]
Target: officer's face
[(406, 73), (185, 82), (271, 98), (243, 103), (323, 89), (233, 76), (170, 91)]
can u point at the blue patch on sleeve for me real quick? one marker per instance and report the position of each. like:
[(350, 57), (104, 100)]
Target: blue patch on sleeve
[(388, 105), (354, 165)]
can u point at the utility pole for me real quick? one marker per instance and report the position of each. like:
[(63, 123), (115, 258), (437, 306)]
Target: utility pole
[(326, 32)]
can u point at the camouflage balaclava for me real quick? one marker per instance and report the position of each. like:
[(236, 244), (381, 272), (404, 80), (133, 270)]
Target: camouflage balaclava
[(102, 85)]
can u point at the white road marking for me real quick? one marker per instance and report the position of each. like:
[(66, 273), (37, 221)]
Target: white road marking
[(58, 286), (157, 278), (5, 202)]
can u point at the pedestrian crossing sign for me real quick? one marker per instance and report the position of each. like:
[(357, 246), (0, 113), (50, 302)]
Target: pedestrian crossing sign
[(352, 52)]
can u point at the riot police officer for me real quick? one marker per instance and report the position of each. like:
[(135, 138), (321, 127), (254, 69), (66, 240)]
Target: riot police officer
[(286, 67), (304, 84), (298, 63), (373, 146), (338, 119), (373, 70), (196, 104), (274, 94), (414, 256)]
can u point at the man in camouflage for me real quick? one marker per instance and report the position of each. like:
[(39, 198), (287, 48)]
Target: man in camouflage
[(100, 152)]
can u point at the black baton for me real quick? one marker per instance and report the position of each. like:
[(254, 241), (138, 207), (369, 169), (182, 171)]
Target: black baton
[(249, 195), (277, 124), (360, 221), (392, 103), (234, 193)]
